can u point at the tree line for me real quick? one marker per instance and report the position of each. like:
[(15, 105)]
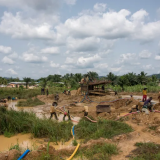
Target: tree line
[(72, 80)]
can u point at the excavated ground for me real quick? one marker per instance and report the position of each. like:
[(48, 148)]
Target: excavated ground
[(146, 127)]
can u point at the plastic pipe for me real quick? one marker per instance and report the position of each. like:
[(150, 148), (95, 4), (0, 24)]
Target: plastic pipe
[(72, 132), (91, 120), (127, 115), (24, 154), (74, 152)]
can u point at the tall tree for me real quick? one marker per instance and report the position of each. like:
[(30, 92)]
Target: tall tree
[(78, 77), (142, 77), (122, 81), (43, 82), (132, 79), (111, 77), (27, 80), (91, 75)]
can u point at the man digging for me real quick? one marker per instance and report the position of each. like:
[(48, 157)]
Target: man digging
[(53, 110)]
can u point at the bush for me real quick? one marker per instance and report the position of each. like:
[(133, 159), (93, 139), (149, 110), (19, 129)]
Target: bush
[(98, 152), (146, 151), (19, 93), (17, 122), (103, 128)]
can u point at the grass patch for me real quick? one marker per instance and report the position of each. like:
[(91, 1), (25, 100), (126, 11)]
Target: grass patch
[(8, 134), (17, 147), (103, 128), (74, 143), (146, 151), (17, 122), (19, 93), (30, 103), (98, 152)]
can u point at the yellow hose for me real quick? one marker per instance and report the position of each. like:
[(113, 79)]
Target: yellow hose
[(75, 149), (74, 152)]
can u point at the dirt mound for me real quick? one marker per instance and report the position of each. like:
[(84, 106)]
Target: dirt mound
[(10, 155)]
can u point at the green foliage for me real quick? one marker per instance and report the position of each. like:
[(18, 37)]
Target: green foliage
[(3, 81), (112, 77), (16, 146), (91, 75), (136, 88), (43, 82), (18, 122), (74, 142), (54, 78), (30, 103), (27, 80), (8, 134), (98, 152), (146, 151), (103, 128), (19, 93)]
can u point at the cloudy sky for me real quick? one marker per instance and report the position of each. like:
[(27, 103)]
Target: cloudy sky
[(43, 37)]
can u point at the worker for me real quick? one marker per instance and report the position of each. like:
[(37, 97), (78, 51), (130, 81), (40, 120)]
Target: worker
[(144, 94), (64, 91), (56, 97), (103, 87), (66, 113), (85, 110), (147, 105), (53, 110), (69, 92), (134, 107), (47, 91), (159, 97)]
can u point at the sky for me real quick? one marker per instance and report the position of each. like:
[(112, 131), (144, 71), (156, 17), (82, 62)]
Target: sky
[(46, 37)]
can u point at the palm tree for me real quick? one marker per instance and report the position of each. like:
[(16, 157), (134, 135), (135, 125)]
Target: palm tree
[(132, 79), (78, 77), (111, 77), (44, 82), (27, 80), (92, 75), (122, 81), (142, 78)]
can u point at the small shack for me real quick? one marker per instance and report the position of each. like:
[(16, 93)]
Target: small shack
[(95, 87)]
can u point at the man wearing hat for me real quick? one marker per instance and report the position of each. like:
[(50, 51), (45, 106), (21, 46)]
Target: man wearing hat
[(144, 94)]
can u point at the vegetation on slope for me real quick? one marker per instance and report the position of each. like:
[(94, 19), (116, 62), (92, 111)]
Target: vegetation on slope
[(17, 122), (103, 128), (146, 151), (30, 103)]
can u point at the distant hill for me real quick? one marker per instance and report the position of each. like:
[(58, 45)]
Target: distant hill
[(157, 75)]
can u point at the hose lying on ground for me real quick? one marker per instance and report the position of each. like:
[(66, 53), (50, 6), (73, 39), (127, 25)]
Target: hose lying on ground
[(72, 131), (24, 154), (127, 115), (91, 120)]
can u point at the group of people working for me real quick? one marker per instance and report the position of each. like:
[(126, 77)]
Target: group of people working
[(53, 111), (65, 92), (147, 104)]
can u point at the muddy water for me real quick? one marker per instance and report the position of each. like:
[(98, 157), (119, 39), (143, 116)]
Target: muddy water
[(27, 141)]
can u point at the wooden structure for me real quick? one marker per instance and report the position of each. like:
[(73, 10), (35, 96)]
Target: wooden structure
[(103, 108), (94, 87)]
